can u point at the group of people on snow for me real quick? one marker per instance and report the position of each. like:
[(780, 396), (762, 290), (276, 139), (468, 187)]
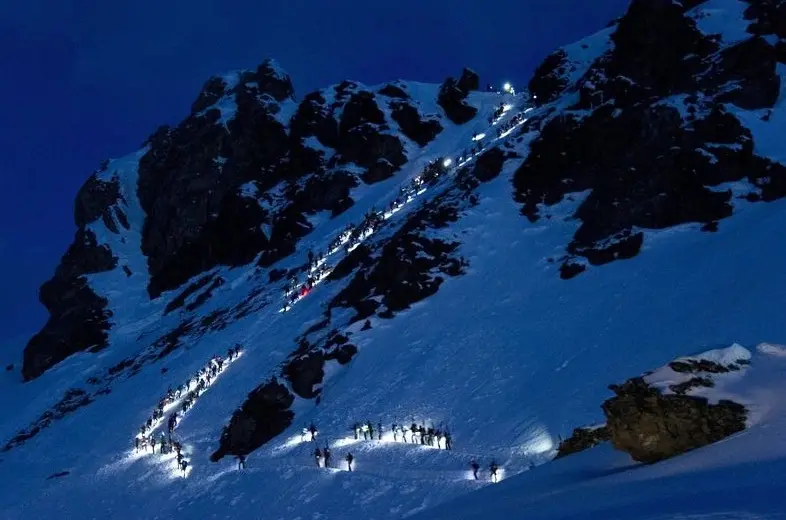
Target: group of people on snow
[(188, 392), (510, 123), (412, 434), (493, 470)]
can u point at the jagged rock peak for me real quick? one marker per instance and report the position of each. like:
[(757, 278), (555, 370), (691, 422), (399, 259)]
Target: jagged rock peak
[(268, 78)]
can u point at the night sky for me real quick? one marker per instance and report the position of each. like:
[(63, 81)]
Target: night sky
[(84, 80)]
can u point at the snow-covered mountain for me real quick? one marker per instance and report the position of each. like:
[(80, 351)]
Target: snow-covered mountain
[(481, 263)]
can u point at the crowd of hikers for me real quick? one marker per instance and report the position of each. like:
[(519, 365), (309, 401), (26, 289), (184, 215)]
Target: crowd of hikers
[(188, 393), (412, 434)]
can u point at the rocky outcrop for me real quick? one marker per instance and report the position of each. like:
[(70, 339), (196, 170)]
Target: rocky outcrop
[(644, 145), (651, 426), (582, 439), (305, 368), (550, 77), (264, 415), (452, 97), (420, 130), (190, 178), (363, 141), (78, 317)]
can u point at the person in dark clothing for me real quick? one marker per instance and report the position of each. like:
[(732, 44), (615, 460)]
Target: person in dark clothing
[(136, 443), (370, 430), (318, 457), (313, 430), (355, 429), (493, 471), (241, 462), (349, 458), (430, 434), (475, 467), (448, 441), (153, 443), (379, 431), (395, 432), (327, 455), (184, 466)]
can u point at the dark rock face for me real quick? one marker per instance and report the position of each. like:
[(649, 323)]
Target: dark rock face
[(263, 415), (96, 199), (583, 439), (420, 130), (393, 91), (549, 79), (652, 427), (469, 81), (361, 139), (649, 162), (452, 98), (78, 317), (189, 181), (306, 371), (767, 17), (489, 165)]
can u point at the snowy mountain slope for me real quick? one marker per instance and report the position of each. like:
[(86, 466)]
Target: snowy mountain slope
[(737, 478), (454, 312)]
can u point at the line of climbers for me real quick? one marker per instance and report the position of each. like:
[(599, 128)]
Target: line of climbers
[(418, 434), (352, 236), (188, 393)]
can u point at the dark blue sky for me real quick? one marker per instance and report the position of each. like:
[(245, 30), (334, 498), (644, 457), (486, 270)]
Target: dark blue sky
[(88, 79)]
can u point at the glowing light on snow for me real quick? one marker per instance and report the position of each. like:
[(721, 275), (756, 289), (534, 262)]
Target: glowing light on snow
[(507, 107), (447, 162), (478, 137), (506, 87), (347, 441)]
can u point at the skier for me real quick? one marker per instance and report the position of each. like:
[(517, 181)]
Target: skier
[(370, 430), (162, 450), (136, 443), (318, 457), (314, 432), (184, 466), (356, 429), (493, 471), (395, 432), (448, 441), (475, 467), (349, 458), (364, 429), (379, 431), (327, 454), (241, 462), (153, 443)]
